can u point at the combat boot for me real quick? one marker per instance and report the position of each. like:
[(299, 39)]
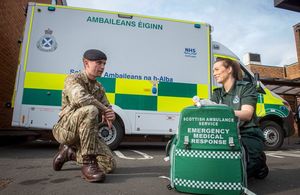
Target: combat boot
[(65, 154), (91, 170)]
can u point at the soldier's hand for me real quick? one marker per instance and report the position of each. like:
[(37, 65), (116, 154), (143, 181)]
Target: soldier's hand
[(109, 114), (108, 122)]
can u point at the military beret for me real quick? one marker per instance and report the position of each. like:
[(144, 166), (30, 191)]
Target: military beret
[(94, 55)]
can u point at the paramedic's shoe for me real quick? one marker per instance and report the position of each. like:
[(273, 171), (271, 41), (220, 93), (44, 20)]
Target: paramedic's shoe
[(262, 173), (91, 170), (64, 154)]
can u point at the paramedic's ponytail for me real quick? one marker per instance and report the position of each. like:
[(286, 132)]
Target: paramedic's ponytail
[(236, 68)]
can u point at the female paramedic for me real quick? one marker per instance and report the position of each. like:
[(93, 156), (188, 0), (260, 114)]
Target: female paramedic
[(242, 97)]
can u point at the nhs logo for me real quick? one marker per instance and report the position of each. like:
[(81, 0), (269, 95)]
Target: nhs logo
[(190, 52)]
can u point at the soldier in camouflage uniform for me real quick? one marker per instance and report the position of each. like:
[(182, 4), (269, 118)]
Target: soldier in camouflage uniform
[(84, 106)]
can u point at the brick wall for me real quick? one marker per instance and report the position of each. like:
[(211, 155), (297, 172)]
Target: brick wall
[(267, 71), (287, 72), (292, 71), (11, 29)]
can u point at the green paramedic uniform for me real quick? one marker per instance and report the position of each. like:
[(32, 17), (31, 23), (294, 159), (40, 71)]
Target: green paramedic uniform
[(244, 93)]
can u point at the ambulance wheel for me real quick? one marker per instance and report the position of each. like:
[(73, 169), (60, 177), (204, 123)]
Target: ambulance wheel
[(273, 135), (113, 136)]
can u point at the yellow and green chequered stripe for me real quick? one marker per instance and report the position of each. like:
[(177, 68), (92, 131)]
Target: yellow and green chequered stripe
[(267, 104), (45, 89)]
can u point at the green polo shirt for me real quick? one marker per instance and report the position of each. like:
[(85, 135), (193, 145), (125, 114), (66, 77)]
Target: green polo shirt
[(241, 93)]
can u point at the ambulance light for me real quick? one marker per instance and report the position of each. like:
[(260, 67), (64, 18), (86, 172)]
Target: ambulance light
[(197, 25), (51, 8), (125, 16)]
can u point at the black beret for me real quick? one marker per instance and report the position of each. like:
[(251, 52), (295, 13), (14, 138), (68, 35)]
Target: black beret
[(94, 55)]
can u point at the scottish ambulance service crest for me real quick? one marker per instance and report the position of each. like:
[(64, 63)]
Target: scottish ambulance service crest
[(47, 42), (236, 99)]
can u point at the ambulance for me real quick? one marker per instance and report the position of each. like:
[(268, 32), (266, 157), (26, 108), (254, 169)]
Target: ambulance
[(154, 68)]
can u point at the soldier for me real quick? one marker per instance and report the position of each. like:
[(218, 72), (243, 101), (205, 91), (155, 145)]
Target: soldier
[(84, 106), (242, 97)]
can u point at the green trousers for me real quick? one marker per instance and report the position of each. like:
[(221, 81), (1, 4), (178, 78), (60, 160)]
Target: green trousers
[(253, 141)]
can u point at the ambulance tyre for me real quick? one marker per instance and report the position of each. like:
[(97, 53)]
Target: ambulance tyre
[(113, 136), (273, 134)]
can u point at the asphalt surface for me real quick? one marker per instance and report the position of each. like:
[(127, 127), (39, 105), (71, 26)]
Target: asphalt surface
[(26, 168)]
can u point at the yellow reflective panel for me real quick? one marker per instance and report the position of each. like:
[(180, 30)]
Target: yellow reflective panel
[(133, 87), (172, 104), (260, 110), (38, 80), (270, 99), (111, 97), (223, 56), (202, 91)]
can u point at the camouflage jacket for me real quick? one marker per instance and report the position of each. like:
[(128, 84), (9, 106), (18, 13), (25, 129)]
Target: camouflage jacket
[(80, 91)]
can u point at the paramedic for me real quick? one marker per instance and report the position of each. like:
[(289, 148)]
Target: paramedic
[(242, 97), (84, 106)]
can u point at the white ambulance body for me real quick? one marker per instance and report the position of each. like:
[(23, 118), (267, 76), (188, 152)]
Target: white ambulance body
[(154, 68)]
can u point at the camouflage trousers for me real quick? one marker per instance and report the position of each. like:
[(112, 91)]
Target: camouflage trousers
[(79, 129)]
